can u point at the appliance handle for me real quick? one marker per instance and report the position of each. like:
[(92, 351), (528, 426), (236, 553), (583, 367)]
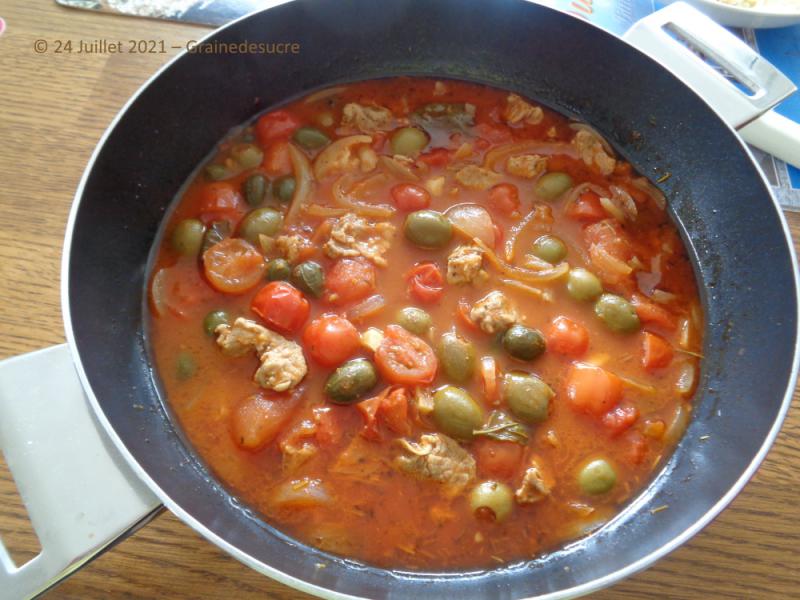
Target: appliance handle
[(80, 495)]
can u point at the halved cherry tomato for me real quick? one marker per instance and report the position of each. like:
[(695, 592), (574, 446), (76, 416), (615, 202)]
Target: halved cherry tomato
[(278, 124), (504, 197), (436, 157), (463, 309), (258, 420), (404, 358), (349, 280), (369, 411), (409, 197), (331, 339), (425, 282), (281, 306), (653, 314), (656, 351), (587, 208), (591, 389), (567, 337), (394, 411), (233, 266), (276, 159), (620, 419), (496, 458), (220, 201)]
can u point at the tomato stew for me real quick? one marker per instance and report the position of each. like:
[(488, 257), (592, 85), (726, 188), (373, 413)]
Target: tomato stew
[(426, 324)]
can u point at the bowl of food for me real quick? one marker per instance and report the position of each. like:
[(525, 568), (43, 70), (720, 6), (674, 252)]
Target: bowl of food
[(752, 14), (430, 307)]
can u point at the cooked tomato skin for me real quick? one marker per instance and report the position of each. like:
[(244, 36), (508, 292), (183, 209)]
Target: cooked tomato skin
[(497, 459), (404, 358), (591, 389), (409, 197), (233, 266), (656, 351), (220, 201), (276, 125), (425, 282), (281, 306), (331, 339), (567, 337), (350, 280), (504, 198)]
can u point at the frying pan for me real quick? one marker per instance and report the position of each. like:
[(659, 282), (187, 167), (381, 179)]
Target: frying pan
[(733, 229)]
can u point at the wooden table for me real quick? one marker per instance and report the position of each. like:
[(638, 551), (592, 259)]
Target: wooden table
[(53, 109)]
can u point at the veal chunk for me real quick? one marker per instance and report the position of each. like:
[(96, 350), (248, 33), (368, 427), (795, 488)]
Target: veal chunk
[(366, 119), (494, 312), (533, 487), (464, 265), (353, 236), (439, 458), (283, 365)]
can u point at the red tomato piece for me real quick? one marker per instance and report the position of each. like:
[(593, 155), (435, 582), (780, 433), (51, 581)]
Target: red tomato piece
[(567, 337), (409, 197), (425, 282), (436, 157), (233, 266), (404, 358), (394, 411), (653, 314), (620, 419), (656, 351), (637, 447), (349, 280), (279, 124), (463, 309), (281, 306), (504, 198), (587, 208), (496, 458), (220, 201), (276, 159), (331, 339), (494, 132), (257, 421), (329, 429), (591, 389)]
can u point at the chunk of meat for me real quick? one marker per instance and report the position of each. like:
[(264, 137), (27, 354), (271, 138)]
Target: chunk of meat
[(533, 487), (352, 236), (342, 156), (477, 178), (292, 247), (518, 110), (366, 119), (464, 265), (283, 365), (494, 312), (439, 458), (593, 152), (527, 166)]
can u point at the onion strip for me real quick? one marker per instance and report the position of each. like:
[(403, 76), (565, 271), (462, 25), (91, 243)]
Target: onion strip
[(317, 210), (344, 200), (518, 272), (515, 230), (544, 295), (369, 307), (648, 188), (398, 169), (304, 181), (531, 147), (579, 189)]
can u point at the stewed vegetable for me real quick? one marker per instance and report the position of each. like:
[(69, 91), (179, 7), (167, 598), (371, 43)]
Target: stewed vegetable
[(415, 320), (523, 343), (456, 413), (617, 313), (428, 229), (351, 381), (597, 477), (457, 357), (552, 185), (527, 396)]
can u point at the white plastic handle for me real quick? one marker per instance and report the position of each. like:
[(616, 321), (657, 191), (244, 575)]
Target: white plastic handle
[(775, 134), (80, 494)]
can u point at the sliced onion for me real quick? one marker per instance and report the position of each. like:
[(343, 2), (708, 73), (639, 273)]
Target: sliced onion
[(502, 152), (648, 188), (339, 156), (303, 493), (519, 273), (489, 379), (545, 295), (343, 199), (317, 210), (678, 425), (687, 378), (304, 182), (157, 292), (576, 192), (472, 221), (646, 282), (541, 216), (322, 94), (367, 308), (608, 263), (596, 134), (663, 297), (398, 169)]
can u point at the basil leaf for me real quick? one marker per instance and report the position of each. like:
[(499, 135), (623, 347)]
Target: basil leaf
[(503, 428)]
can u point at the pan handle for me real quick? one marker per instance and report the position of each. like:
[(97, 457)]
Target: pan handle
[(80, 494), (677, 36)]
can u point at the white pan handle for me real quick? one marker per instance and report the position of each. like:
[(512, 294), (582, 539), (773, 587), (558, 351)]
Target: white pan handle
[(80, 494), (775, 134)]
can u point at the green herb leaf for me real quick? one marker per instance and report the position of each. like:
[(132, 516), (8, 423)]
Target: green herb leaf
[(503, 428)]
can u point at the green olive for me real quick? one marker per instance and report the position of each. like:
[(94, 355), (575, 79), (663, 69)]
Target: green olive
[(617, 313), (260, 221), (187, 237), (597, 477), (408, 141), (523, 343), (218, 172), (255, 189), (309, 277), (527, 396), (249, 156), (494, 496), (215, 233), (279, 269), (583, 284), (415, 320), (185, 366), (550, 249), (214, 319), (283, 188), (351, 381), (428, 229), (457, 357), (552, 185), (456, 413), (311, 138)]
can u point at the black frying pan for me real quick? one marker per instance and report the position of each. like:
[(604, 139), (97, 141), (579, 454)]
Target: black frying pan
[(722, 205)]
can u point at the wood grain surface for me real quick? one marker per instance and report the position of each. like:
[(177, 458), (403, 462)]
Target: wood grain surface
[(53, 109)]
